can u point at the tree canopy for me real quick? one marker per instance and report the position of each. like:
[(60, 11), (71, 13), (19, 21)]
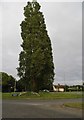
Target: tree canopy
[(8, 82), (36, 67)]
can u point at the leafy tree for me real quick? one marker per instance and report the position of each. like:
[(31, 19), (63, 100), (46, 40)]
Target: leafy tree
[(36, 66), (11, 83), (8, 82), (20, 86)]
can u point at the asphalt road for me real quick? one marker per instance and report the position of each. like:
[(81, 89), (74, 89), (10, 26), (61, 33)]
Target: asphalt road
[(0, 109), (39, 109)]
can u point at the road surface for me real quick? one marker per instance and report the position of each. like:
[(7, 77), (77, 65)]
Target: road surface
[(39, 109), (0, 109)]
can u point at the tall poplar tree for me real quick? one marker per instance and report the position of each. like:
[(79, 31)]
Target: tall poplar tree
[(36, 68)]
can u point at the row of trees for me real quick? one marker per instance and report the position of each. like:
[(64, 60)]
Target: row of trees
[(74, 88), (8, 82)]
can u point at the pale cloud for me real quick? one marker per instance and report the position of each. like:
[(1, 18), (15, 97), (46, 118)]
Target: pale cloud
[(0, 37), (64, 23), (42, 0)]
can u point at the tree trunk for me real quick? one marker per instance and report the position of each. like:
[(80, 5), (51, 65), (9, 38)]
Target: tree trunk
[(34, 88)]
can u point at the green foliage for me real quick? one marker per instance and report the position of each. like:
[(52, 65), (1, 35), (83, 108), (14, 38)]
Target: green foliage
[(20, 85), (7, 82), (36, 66)]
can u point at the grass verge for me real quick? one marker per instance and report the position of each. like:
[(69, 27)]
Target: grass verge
[(75, 105), (43, 95)]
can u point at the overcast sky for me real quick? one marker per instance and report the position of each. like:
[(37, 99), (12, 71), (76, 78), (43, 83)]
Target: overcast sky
[(64, 26)]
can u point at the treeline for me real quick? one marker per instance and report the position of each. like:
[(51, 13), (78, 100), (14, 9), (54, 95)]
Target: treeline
[(9, 84), (74, 88)]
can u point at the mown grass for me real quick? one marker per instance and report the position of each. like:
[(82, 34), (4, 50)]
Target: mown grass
[(43, 95), (75, 105)]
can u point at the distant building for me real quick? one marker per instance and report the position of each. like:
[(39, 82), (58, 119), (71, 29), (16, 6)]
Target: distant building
[(58, 88)]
